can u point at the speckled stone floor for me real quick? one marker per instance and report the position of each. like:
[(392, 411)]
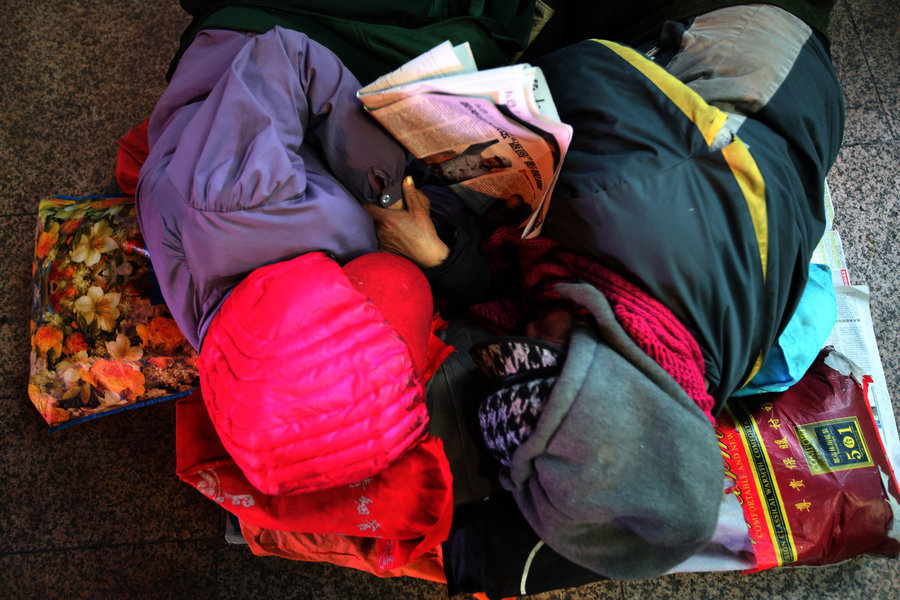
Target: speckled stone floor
[(95, 511)]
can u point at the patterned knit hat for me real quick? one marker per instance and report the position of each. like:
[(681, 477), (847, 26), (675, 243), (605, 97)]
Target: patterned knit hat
[(524, 371)]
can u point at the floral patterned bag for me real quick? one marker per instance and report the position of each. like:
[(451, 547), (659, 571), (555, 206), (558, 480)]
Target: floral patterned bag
[(99, 343)]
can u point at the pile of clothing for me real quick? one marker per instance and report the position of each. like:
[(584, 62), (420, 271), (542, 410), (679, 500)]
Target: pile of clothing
[(332, 420)]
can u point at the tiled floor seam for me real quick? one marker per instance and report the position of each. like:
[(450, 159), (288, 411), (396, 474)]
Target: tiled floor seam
[(884, 109), (103, 546)]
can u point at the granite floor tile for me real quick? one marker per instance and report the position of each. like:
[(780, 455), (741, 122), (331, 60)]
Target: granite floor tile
[(879, 33), (601, 590), (174, 570), (865, 116), (243, 575), (859, 579), (16, 251), (407, 587), (66, 100), (865, 188), (107, 481)]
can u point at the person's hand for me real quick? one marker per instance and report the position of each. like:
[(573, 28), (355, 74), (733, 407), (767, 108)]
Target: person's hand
[(553, 325), (407, 229)]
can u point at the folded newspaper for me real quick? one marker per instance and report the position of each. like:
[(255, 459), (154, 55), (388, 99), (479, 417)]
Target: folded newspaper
[(492, 136)]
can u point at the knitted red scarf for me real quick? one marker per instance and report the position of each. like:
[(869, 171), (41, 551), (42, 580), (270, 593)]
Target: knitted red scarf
[(538, 264)]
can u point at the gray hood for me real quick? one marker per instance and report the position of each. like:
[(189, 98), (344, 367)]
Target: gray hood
[(623, 474)]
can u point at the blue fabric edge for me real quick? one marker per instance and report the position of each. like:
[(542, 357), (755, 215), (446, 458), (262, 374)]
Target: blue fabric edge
[(94, 197), (112, 411)]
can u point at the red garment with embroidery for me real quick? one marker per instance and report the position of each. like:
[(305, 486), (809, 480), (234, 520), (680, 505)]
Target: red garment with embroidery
[(408, 507), (366, 554), (542, 262)]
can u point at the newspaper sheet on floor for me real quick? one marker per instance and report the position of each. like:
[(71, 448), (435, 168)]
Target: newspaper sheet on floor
[(854, 334), (492, 136)]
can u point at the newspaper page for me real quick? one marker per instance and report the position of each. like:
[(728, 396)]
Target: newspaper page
[(853, 334), (829, 250), (854, 337), (829, 209), (444, 59), (491, 136)]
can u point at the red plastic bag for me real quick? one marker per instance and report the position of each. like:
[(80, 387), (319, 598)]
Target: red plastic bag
[(811, 471)]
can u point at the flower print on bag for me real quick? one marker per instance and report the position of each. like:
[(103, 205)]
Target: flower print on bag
[(162, 335), (99, 306), (98, 343), (92, 246), (48, 339), (117, 377), (75, 343), (121, 349), (47, 406), (46, 241)]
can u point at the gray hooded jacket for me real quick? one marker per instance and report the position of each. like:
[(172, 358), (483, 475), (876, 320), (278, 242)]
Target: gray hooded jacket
[(623, 474)]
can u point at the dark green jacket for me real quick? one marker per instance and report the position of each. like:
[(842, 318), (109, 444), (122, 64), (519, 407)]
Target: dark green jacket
[(634, 23), (722, 235), (374, 37)]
